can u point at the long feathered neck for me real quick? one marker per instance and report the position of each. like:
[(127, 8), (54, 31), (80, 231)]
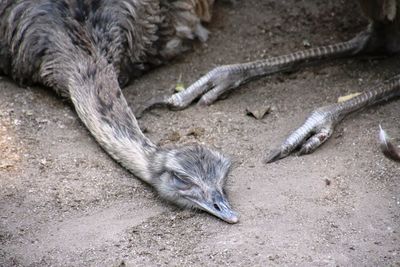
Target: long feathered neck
[(100, 104), (80, 49)]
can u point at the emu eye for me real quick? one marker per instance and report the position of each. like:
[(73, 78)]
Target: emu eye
[(180, 183)]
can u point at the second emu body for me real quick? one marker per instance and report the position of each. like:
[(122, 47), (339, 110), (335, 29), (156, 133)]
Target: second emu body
[(85, 50), (381, 37)]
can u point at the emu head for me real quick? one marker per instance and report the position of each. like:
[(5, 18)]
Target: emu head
[(193, 177)]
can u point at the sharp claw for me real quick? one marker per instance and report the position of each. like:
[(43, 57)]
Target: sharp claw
[(273, 156), (304, 150), (158, 101)]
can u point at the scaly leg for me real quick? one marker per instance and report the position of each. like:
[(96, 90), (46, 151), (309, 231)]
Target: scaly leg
[(225, 78), (319, 126)]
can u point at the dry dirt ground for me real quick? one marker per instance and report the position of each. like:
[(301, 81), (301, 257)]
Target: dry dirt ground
[(64, 202)]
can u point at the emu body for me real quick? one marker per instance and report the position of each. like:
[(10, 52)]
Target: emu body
[(382, 36), (85, 50)]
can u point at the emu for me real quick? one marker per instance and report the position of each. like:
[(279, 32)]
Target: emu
[(86, 50), (382, 36)]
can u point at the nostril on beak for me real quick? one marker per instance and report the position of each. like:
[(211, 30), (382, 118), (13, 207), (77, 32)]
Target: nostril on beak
[(217, 207)]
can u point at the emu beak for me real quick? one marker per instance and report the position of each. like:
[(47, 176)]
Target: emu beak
[(219, 207)]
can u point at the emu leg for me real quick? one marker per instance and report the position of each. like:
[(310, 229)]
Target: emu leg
[(225, 78), (320, 125)]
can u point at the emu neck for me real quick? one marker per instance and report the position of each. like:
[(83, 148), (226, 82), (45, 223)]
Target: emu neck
[(100, 104)]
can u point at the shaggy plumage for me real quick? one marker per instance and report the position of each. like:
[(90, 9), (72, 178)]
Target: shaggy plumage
[(85, 50)]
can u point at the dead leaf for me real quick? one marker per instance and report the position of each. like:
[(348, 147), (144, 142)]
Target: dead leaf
[(348, 97), (180, 86), (258, 112)]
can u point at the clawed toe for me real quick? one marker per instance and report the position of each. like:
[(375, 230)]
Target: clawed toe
[(315, 141), (317, 128), (207, 89), (158, 101), (273, 156)]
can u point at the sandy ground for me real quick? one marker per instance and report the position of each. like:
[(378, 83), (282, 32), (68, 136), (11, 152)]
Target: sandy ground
[(64, 202)]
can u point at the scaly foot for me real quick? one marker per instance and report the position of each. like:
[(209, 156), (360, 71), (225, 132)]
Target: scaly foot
[(317, 128), (209, 87), (225, 78)]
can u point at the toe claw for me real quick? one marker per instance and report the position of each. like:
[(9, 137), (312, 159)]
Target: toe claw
[(308, 137), (273, 156), (158, 101)]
